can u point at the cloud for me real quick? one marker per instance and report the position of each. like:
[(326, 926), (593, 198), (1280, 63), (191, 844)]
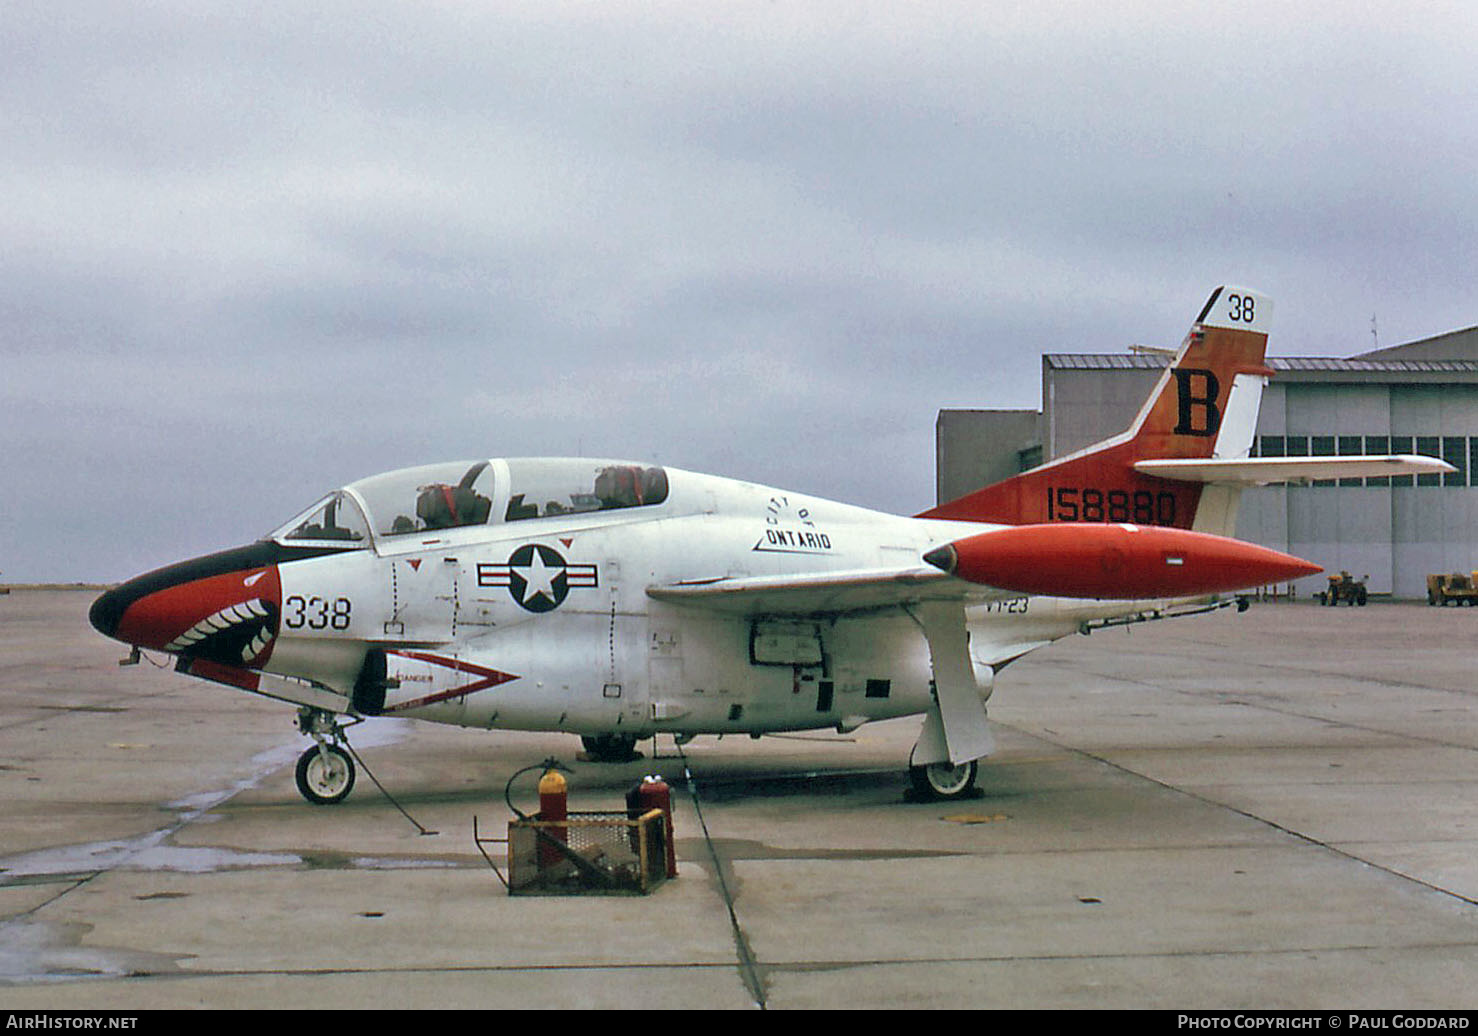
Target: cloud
[(252, 253)]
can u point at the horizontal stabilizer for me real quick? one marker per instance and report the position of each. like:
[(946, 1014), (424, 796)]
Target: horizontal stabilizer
[(1263, 471)]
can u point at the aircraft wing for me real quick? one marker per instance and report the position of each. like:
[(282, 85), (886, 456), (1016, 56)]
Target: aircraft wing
[(955, 729), (1262, 471), (827, 593)]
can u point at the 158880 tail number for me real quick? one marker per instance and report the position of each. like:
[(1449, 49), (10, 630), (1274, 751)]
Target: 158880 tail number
[(1086, 504)]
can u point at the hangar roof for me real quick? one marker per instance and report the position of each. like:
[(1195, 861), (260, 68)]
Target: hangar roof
[(1139, 361), (1461, 344), (1428, 359), (1294, 368)]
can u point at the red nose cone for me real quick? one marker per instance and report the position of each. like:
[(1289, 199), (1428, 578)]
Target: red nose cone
[(168, 619), (230, 617), (1117, 562)]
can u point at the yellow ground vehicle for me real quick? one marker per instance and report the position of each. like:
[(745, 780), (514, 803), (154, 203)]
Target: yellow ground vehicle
[(1456, 588), (1344, 587)]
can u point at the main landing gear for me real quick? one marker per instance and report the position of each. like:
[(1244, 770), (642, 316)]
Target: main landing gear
[(943, 781), (325, 771), (610, 748)]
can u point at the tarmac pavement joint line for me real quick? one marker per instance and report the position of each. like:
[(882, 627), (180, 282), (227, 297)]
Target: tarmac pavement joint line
[(748, 967), (1281, 828)]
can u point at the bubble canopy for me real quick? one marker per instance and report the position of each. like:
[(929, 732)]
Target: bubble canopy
[(467, 493)]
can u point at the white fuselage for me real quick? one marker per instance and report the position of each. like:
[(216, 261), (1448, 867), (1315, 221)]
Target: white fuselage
[(546, 624)]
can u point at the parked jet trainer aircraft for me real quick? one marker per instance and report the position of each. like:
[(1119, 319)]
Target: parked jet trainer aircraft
[(616, 600)]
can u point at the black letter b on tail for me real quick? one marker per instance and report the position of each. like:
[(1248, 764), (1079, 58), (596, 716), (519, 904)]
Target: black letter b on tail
[(1198, 414)]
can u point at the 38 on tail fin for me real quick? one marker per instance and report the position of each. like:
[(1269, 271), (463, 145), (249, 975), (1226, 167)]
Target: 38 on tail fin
[(1204, 406)]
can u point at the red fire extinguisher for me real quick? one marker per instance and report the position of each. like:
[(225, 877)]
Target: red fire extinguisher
[(653, 793)]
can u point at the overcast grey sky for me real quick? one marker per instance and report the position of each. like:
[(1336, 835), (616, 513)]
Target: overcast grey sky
[(252, 252)]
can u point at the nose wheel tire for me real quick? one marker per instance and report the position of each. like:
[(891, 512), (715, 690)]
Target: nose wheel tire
[(325, 775), (943, 780)]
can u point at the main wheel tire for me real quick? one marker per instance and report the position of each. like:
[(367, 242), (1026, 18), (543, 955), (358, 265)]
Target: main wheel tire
[(322, 780), (944, 780)]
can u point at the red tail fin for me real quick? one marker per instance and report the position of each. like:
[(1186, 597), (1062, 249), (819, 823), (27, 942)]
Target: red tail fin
[(1204, 405)]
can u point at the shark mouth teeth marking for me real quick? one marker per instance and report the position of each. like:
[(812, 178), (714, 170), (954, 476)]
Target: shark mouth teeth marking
[(258, 643), (234, 617)]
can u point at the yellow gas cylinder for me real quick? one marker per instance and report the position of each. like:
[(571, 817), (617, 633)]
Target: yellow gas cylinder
[(553, 808)]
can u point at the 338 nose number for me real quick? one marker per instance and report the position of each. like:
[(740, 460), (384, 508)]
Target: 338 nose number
[(316, 613)]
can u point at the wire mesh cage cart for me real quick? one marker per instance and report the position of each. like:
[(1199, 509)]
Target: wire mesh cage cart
[(585, 853)]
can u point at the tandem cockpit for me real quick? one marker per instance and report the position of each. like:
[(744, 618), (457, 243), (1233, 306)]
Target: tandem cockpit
[(437, 497)]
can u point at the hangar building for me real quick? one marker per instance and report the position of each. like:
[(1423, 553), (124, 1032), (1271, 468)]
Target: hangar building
[(1421, 397)]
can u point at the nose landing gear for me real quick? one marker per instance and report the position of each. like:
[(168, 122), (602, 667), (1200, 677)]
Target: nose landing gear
[(325, 771)]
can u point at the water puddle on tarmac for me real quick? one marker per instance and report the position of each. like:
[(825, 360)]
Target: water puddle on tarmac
[(151, 851), (148, 852), (42, 952), (39, 951)]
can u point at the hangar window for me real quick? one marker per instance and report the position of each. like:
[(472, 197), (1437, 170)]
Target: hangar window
[(548, 488), (1378, 446), (1349, 446), (1429, 446), (1455, 452), (1402, 444), (1322, 446)]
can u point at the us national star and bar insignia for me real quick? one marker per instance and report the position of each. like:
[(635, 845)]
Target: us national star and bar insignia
[(537, 577)]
